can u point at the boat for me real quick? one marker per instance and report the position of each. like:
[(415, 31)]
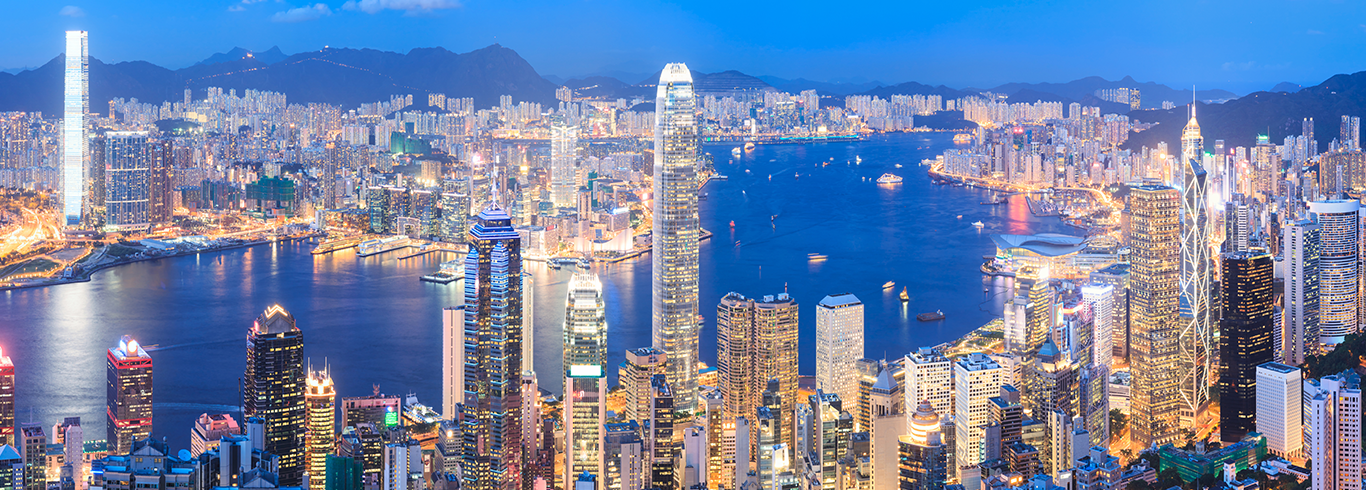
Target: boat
[(958, 184), (961, 138), (889, 179), (904, 297), (813, 256), (889, 285), (749, 146), (932, 316), (735, 152), (857, 160), (747, 172), (381, 245), (451, 271), (898, 165), (978, 224), (960, 216), (796, 175), (737, 243), (732, 224)]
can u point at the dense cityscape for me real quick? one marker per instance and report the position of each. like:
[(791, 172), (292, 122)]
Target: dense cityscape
[(1197, 326)]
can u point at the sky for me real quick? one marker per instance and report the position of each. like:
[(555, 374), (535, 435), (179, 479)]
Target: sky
[(1236, 45)]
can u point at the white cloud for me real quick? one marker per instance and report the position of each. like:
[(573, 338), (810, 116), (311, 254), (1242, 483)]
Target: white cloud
[(236, 8), (302, 14), (408, 6), (71, 11)]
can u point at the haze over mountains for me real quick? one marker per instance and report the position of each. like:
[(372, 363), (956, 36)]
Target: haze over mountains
[(349, 77)]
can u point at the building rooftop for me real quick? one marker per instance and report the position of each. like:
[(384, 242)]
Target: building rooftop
[(1045, 244), (1278, 367), (840, 300)]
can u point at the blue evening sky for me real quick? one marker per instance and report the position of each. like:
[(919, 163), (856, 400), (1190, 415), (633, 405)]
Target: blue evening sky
[(1238, 45)]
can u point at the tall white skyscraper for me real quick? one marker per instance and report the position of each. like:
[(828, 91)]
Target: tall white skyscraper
[(674, 276), (1279, 398), (1196, 344), (75, 104), (976, 379), (585, 383), (928, 377), (1334, 418), (1101, 298), (1300, 325), (452, 361), (1339, 229), (564, 140), (839, 344)]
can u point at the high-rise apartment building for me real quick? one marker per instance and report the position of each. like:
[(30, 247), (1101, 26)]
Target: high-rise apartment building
[(1244, 338), (1279, 409), (127, 168), (976, 379), (662, 448), (839, 344), (129, 410), (1196, 344), (1300, 330), (452, 361), (273, 389), (1334, 418), (585, 384), (75, 105), (831, 426), (928, 377), (492, 453), (33, 447), (1339, 269), (321, 400), (1154, 288), (674, 307), (634, 375), (756, 346)]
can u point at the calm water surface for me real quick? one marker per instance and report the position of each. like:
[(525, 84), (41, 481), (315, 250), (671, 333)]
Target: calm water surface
[(375, 323)]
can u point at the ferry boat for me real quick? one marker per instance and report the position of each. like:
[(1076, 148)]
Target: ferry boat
[(898, 165), (450, 272), (889, 179), (978, 224), (889, 285), (813, 256), (904, 297), (749, 146), (857, 160), (381, 245), (735, 152), (932, 316)]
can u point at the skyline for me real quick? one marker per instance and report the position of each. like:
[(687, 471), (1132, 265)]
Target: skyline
[(922, 43)]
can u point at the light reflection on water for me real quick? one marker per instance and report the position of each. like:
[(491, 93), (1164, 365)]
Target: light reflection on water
[(374, 322)]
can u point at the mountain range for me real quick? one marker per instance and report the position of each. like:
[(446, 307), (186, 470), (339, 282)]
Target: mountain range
[(1275, 114), (348, 77)]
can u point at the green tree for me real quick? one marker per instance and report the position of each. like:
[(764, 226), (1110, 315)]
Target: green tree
[(1139, 485), (1118, 421), (1169, 478)]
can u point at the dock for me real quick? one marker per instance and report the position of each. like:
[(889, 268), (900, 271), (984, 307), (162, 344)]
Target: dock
[(430, 249)]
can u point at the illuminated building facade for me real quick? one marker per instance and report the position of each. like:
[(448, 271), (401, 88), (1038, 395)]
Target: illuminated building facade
[(1300, 333), (1245, 338), (492, 452), (674, 307), (75, 105), (127, 168), (921, 463), (585, 384), (1339, 270), (321, 399), (129, 410), (564, 140), (756, 345), (1155, 258), (7, 425), (634, 374), (273, 389), (1196, 344), (839, 344)]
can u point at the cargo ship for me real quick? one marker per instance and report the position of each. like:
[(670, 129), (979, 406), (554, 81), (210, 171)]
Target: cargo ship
[(381, 245), (932, 316)]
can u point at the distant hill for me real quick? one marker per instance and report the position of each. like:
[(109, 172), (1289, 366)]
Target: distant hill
[(595, 86), (269, 56), (346, 77), (1277, 114), (1287, 87), (914, 88), (823, 88), (1151, 94)]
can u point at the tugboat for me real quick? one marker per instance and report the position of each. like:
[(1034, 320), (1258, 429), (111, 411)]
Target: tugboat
[(905, 297), (932, 316)]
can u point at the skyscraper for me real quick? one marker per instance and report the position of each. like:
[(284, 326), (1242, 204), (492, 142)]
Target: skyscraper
[(977, 378), (129, 409), (128, 159), (661, 434), (492, 451), (634, 375), (273, 389), (1300, 332), (1155, 257), (928, 377), (452, 361), (757, 344), (1334, 418), (75, 104), (1196, 342), (1245, 338), (1280, 401), (676, 230), (321, 399), (585, 384), (7, 429), (564, 139), (1339, 271), (921, 462), (839, 344)]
